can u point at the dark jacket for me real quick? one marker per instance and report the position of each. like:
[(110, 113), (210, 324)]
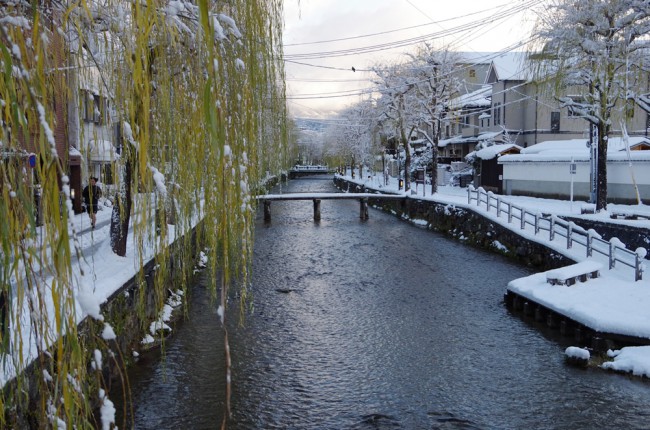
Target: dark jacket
[(91, 195)]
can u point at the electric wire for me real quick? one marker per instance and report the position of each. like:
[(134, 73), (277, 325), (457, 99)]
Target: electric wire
[(488, 57), (412, 40), (381, 33)]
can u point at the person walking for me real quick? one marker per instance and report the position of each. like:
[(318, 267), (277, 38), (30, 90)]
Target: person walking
[(91, 195)]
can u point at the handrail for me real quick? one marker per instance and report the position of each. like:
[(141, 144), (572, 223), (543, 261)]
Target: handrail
[(310, 167), (614, 249)]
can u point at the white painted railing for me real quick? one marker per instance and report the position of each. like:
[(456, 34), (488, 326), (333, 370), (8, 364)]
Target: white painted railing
[(317, 168), (614, 249)]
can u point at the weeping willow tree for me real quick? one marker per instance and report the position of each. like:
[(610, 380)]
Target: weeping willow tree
[(197, 93)]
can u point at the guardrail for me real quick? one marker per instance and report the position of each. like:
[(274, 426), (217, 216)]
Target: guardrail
[(614, 249), (318, 168)]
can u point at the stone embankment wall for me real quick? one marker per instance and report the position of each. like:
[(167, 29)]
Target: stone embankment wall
[(467, 226), (633, 237), (476, 230)]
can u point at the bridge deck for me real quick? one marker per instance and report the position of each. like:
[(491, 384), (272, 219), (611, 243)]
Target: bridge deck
[(328, 196)]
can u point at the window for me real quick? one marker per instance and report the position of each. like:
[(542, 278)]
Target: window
[(472, 73), (87, 105), (94, 108), (496, 113), (107, 174), (485, 120), (555, 122)]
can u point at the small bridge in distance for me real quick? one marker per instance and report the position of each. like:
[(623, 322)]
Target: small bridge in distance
[(307, 170), (317, 197)]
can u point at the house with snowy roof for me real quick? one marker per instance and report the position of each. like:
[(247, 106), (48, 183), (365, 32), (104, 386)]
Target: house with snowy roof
[(511, 107), (488, 173), (557, 169)]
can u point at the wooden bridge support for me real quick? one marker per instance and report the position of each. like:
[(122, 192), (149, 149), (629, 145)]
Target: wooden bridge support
[(267, 210), (316, 209), (363, 208)]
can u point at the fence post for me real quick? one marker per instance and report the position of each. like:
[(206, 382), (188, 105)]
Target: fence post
[(551, 229), (523, 218), (478, 197), (569, 232), (536, 223), (487, 203), (612, 250), (509, 213), (589, 240), (469, 194), (498, 206), (638, 269)]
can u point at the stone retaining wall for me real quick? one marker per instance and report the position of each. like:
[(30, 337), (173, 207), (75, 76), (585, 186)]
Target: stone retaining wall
[(467, 226), (633, 237)]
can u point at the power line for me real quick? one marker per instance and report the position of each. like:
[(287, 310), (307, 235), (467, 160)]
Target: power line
[(488, 57), (381, 33), (414, 40)]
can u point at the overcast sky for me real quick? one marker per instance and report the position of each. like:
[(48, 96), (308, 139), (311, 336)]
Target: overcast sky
[(386, 28)]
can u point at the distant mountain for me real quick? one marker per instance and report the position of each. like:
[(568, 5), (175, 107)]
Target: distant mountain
[(311, 124), (301, 111)]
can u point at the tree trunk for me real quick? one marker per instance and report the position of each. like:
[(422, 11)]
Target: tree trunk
[(407, 167), (121, 215), (434, 157), (601, 175), (434, 166)]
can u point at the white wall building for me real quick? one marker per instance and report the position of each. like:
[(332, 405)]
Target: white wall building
[(543, 170)]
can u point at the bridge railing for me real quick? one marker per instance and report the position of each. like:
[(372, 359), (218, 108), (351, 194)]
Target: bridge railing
[(318, 168), (614, 250)]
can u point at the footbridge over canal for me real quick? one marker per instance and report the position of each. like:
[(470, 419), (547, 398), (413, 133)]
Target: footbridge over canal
[(300, 171), (317, 197)]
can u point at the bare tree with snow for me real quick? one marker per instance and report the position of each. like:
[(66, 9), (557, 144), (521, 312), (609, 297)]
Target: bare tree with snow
[(586, 46)]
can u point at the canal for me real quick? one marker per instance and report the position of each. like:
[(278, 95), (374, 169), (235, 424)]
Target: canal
[(373, 324)]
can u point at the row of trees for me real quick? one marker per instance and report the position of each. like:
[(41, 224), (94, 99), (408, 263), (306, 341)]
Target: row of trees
[(198, 91), (410, 103), (594, 48)]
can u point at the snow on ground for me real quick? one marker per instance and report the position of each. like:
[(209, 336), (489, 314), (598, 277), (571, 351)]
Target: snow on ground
[(612, 303), (98, 274)]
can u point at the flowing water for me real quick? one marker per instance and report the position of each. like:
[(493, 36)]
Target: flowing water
[(373, 324)]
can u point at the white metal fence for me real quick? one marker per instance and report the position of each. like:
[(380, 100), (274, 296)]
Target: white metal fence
[(614, 249)]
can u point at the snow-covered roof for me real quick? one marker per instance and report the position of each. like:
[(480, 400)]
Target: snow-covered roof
[(483, 137), (479, 98), (444, 142), (511, 66), (493, 151), (577, 149), (489, 135)]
